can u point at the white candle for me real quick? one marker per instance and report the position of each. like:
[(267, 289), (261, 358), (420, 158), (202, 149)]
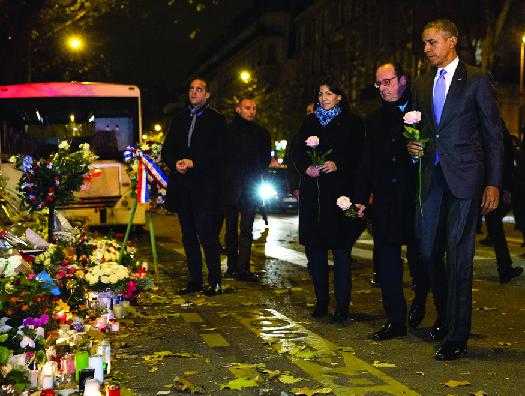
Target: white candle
[(115, 326), (48, 382), (33, 378), (96, 363), (118, 311), (92, 385), (49, 368)]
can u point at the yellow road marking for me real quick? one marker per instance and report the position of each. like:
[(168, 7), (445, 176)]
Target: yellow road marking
[(191, 317), (215, 340), (346, 374)]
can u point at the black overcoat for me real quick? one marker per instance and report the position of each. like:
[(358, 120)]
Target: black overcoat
[(248, 156), (388, 173), (202, 184), (321, 222)]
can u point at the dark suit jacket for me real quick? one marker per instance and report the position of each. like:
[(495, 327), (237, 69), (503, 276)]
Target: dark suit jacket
[(469, 136), (201, 185)]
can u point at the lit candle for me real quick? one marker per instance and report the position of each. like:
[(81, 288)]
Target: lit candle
[(91, 387), (67, 365), (49, 368), (96, 362), (81, 362), (33, 378), (115, 326)]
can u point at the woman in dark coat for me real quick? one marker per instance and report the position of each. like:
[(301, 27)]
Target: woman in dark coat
[(322, 224)]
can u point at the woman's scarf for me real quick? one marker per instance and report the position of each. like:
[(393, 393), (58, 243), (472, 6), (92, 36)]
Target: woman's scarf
[(325, 116)]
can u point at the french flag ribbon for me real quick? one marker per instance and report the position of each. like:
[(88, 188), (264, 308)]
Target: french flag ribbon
[(147, 168)]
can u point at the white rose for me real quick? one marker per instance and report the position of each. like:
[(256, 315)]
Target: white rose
[(344, 202)]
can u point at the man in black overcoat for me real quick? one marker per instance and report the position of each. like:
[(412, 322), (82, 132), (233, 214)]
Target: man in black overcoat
[(462, 171), (194, 151), (248, 155), (388, 173)]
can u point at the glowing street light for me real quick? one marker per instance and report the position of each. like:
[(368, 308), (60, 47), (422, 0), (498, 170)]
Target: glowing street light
[(157, 127), (75, 43), (522, 59), (245, 76)]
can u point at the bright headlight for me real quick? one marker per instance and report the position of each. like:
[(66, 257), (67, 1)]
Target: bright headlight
[(267, 191)]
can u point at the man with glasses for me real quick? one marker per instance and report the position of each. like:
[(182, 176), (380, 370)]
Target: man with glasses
[(388, 173), (194, 150), (462, 171)]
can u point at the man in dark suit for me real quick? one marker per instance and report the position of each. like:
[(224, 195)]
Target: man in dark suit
[(462, 170), (194, 151)]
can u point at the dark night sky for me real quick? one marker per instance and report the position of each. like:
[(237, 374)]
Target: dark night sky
[(151, 46)]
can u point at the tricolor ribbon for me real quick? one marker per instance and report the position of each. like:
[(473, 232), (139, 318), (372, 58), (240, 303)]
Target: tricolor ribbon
[(147, 168)]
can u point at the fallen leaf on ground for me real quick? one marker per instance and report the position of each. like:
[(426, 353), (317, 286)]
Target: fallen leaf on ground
[(310, 392), (153, 369), (420, 373), (183, 385), (455, 384), (289, 379), (271, 373), (504, 343), (380, 363), (240, 383), (190, 373), (487, 309), (346, 349), (479, 393), (367, 291)]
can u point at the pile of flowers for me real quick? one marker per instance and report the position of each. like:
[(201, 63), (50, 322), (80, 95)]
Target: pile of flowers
[(108, 275), (49, 181)]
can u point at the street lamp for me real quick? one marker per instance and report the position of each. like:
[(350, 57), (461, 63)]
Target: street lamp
[(157, 127), (75, 43), (522, 58), (245, 76)]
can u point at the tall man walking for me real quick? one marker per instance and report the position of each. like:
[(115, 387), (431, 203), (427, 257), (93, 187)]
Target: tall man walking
[(194, 151), (249, 153), (462, 170)]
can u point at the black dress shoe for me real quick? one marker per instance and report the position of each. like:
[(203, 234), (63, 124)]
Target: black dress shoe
[(439, 330), (451, 350), (212, 290), (230, 273), (247, 276), (341, 313), (512, 272), (191, 288), (416, 314), (487, 242), (390, 330), (320, 310)]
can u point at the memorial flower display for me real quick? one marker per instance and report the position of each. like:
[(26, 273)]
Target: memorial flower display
[(109, 275)]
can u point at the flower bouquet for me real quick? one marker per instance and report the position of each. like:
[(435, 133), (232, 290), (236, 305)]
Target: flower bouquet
[(350, 209), (47, 182), (412, 133), (109, 275)]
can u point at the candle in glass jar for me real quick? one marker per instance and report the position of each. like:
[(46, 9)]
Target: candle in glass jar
[(113, 390), (96, 362), (84, 375), (49, 368), (91, 387), (67, 365), (33, 379), (115, 326), (48, 381), (118, 311), (81, 362)]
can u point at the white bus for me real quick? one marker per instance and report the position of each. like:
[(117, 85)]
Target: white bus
[(35, 117)]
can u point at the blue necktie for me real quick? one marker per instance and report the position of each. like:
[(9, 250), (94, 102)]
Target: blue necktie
[(439, 101)]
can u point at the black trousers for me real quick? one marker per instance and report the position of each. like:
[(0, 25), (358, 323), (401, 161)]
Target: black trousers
[(239, 236), (320, 275), (494, 223), (419, 274), (200, 228), (390, 266), (448, 224)]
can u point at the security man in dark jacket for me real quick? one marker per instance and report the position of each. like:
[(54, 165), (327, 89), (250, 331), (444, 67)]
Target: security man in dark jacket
[(194, 151), (248, 156)]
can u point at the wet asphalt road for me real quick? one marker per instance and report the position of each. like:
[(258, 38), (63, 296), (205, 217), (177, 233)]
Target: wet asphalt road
[(259, 337)]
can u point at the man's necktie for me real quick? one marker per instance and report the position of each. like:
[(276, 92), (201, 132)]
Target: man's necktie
[(439, 101)]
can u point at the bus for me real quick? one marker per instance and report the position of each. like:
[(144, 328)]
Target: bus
[(35, 117)]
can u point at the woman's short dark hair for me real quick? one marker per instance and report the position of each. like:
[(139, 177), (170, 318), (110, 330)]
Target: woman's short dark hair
[(334, 86)]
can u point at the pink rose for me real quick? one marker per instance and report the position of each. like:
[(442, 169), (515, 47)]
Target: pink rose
[(412, 117), (312, 141), (344, 202)]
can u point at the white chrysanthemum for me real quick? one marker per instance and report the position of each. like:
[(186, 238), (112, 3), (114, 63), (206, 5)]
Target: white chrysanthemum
[(104, 279), (113, 278), (64, 145)]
